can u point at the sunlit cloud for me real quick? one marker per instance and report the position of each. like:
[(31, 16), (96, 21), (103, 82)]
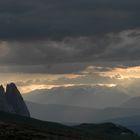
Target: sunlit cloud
[(119, 72), (107, 85), (123, 73), (30, 88), (90, 76)]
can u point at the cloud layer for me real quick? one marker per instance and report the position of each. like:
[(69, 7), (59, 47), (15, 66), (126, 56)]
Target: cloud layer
[(62, 36), (69, 42), (71, 55), (37, 19)]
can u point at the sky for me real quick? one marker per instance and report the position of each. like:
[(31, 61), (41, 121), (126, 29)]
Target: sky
[(52, 43)]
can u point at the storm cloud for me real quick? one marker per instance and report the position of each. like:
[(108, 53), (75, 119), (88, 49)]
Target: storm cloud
[(62, 36), (71, 54), (39, 19)]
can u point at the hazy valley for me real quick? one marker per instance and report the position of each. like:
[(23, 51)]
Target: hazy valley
[(104, 105)]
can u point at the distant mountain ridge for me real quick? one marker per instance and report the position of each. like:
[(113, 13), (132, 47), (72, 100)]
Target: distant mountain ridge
[(132, 103), (81, 96), (70, 115), (11, 101)]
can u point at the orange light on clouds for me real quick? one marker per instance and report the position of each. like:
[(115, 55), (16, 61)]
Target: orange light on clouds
[(27, 89), (72, 76), (115, 76), (122, 73)]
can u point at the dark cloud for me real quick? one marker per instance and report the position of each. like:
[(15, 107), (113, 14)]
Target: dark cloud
[(46, 68), (66, 36), (71, 54), (38, 19)]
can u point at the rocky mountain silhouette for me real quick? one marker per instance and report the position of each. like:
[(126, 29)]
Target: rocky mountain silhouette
[(11, 101)]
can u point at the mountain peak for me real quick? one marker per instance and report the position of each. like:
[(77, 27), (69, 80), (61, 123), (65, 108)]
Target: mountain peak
[(15, 99), (2, 91), (11, 101), (11, 88)]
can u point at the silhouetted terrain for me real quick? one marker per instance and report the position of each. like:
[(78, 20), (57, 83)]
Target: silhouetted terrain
[(16, 127), (17, 124), (132, 122), (11, 101), (75, 105)]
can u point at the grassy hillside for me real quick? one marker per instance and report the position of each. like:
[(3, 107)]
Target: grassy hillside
[(16, 127)]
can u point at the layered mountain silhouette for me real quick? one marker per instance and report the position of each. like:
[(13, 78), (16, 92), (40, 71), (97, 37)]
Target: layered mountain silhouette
[(132, 103), (81, 96), (15, 121), (72, 114), (11, 101)]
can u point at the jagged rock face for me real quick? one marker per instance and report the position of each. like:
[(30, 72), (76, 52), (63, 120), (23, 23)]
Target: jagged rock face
[(4, 106), (16, 101), (2, 92)]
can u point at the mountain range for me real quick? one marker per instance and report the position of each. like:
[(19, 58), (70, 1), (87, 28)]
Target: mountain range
[(124, 112), (72, 114), (75, 122), (132, 103), (81, 96)]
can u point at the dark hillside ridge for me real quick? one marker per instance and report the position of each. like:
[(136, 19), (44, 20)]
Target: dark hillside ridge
[(15, 127)]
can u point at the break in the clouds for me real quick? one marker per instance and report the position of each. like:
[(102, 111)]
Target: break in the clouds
[(38, 19)]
